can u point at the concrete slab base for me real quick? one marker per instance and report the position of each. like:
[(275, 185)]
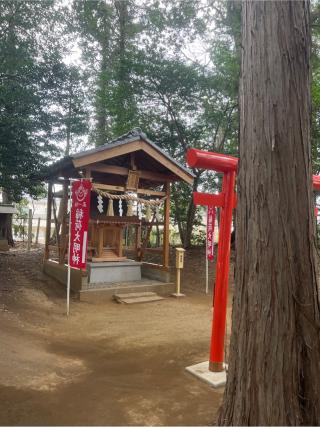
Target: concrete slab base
[(176, 295), (110, 272), (214, 379)]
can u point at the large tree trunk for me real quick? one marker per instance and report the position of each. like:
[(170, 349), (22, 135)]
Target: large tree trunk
[(274, 363), (6, 221), (6, 228)]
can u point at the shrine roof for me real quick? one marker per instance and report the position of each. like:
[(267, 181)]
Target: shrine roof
[(115, 155)]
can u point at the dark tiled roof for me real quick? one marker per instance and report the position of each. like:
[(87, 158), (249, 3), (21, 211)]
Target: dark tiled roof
[(133, 135)]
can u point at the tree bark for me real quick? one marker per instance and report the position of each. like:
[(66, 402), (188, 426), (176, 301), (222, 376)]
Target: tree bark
[(68, 122), (191, 213), (6, 221), (185, 225), (101, 96), (177, 216), (274, 361), (121, 7), (6, 228)]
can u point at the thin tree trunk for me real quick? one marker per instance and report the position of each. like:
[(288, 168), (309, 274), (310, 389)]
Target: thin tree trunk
[(191, 213), (185, 225), (68, 144), (189, 224), (177, 215), (274, 361), (122, 12), (101, 96)]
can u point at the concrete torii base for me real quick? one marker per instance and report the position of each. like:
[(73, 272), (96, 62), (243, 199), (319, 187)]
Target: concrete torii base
[(177, 295), (214, 379)]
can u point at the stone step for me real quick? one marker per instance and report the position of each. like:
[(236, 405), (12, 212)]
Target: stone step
[(134, 295), (97, 294), (139, 300)]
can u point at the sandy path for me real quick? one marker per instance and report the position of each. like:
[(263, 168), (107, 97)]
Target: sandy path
[(107, 364)]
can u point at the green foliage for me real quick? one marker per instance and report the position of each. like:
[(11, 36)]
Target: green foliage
[(20, 218), (23, 122), (68, 109), (183, 104), (170, 68), (35, 92), (143, 77), (199, 237), (108, 34)]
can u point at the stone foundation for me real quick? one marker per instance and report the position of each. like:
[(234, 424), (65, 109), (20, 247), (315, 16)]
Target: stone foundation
[(101, 280), (110, 272)]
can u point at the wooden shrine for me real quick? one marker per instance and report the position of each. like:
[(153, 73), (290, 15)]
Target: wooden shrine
[(131, 179), (105, 243)]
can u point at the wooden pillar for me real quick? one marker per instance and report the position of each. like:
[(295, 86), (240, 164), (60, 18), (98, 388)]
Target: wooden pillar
[(120, 249), (64, 212), (166, 230), (91, 229), (48, 223), (100, 238), (138, 240), (133, 161), (56, 224)]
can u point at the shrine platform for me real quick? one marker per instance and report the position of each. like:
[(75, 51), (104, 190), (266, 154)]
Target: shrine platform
[(106, 291), (102, 280)]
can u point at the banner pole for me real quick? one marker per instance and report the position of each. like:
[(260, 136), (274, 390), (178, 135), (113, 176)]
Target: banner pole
[(207, 263), (69, 251)]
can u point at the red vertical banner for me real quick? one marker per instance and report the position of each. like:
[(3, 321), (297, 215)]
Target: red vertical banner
[(210, 232), (80, 212)]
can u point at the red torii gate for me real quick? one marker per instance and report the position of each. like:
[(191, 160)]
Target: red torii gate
[(226, 200)]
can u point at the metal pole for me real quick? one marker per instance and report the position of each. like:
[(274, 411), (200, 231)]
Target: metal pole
[(29, 229), (222, 276), (69, 251), (207, 263)]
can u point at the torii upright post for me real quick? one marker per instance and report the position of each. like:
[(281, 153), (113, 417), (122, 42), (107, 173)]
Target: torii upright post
[(226, 201)]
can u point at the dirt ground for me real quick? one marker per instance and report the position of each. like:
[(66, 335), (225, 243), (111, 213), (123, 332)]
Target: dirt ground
[(107, 364)]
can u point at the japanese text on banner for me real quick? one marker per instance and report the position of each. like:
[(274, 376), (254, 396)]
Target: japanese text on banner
[(210, 232), (80, 212)]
